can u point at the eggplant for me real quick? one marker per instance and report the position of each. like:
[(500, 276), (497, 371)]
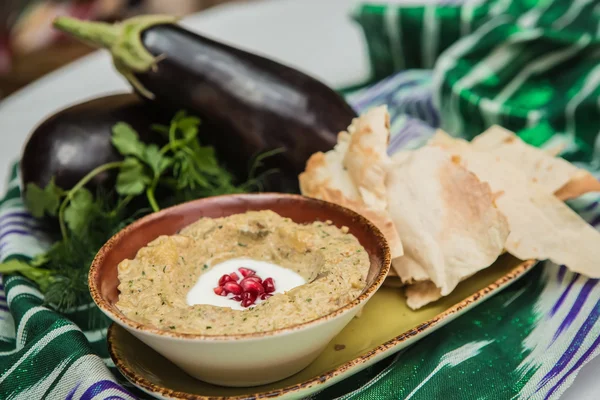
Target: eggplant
[(74, 141), (253, 104)]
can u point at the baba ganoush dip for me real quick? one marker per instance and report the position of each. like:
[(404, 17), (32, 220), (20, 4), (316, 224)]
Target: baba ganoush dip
[(153, 286)]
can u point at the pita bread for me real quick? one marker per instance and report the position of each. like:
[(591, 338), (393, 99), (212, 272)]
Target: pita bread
[(408, 269), (541, 225), (422, 293), (446, 219), (555, 173), (325, 173), (327, 178), (366, 159)]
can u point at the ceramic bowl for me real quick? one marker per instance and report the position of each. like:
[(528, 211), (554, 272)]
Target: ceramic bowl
[(238, 359)]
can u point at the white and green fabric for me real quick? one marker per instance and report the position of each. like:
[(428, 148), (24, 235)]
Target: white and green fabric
[(531, 66)]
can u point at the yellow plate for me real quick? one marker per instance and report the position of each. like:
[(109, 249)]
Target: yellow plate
[(386, 326)]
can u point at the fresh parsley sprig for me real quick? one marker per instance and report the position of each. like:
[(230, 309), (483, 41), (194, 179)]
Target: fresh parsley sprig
[(145, 167)]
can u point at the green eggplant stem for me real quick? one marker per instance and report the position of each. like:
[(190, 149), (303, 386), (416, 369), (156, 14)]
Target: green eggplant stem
[(123, 40), (97, 34)]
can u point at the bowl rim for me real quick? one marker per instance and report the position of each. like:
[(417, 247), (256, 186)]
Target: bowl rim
[(121, 319)]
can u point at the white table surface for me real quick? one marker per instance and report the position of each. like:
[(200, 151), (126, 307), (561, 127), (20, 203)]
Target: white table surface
[(325, 44)]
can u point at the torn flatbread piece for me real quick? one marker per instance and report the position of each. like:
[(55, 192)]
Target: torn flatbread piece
[(555, 173), (325, 174), (366, 159), (421, 293), (445, 216), (542, 227), (327, 178), (408, 269)]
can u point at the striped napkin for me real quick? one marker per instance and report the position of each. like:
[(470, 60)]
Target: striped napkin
[(532, 67)]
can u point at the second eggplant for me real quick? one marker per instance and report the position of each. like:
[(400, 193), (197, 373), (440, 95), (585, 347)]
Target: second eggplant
[(255, 104)]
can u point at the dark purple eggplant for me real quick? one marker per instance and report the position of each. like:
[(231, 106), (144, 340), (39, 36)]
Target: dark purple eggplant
[(74, 141), (255, 104)]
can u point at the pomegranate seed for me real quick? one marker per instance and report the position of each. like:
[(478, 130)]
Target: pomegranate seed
[(248, 298), (246, 271), (234, 276), (254, 278), (224, 279), (269, 285), (233, 287), (237, 298), (250, 285), (218, 290), (265, 296)]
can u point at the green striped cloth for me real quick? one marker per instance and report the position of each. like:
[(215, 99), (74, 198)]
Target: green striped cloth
[(530, 66)]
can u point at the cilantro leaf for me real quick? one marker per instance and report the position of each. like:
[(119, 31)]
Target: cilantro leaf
[(43, 201), (160, 128), (178, 116), (79, 208), (132, 178), (188, 126), (155, 160), (126, 140)]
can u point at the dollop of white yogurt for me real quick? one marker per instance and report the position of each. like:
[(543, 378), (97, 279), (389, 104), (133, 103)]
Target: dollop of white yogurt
[(202, 292)]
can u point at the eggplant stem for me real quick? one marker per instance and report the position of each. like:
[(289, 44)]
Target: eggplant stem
[(123, 40), (90, 175), (97, 34)]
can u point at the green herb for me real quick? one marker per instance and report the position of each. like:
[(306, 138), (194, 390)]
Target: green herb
[(209, 327), (309, 300), (43, 201), (180, 170), (205, 266), (172, 327)]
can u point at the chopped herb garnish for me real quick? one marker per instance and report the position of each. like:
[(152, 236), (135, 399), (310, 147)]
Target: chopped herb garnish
[(172, 327), (209, 327), (309, 300), (242, 244)]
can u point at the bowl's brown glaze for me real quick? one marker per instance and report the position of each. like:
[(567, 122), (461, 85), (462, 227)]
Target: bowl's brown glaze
[(103, 279)]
